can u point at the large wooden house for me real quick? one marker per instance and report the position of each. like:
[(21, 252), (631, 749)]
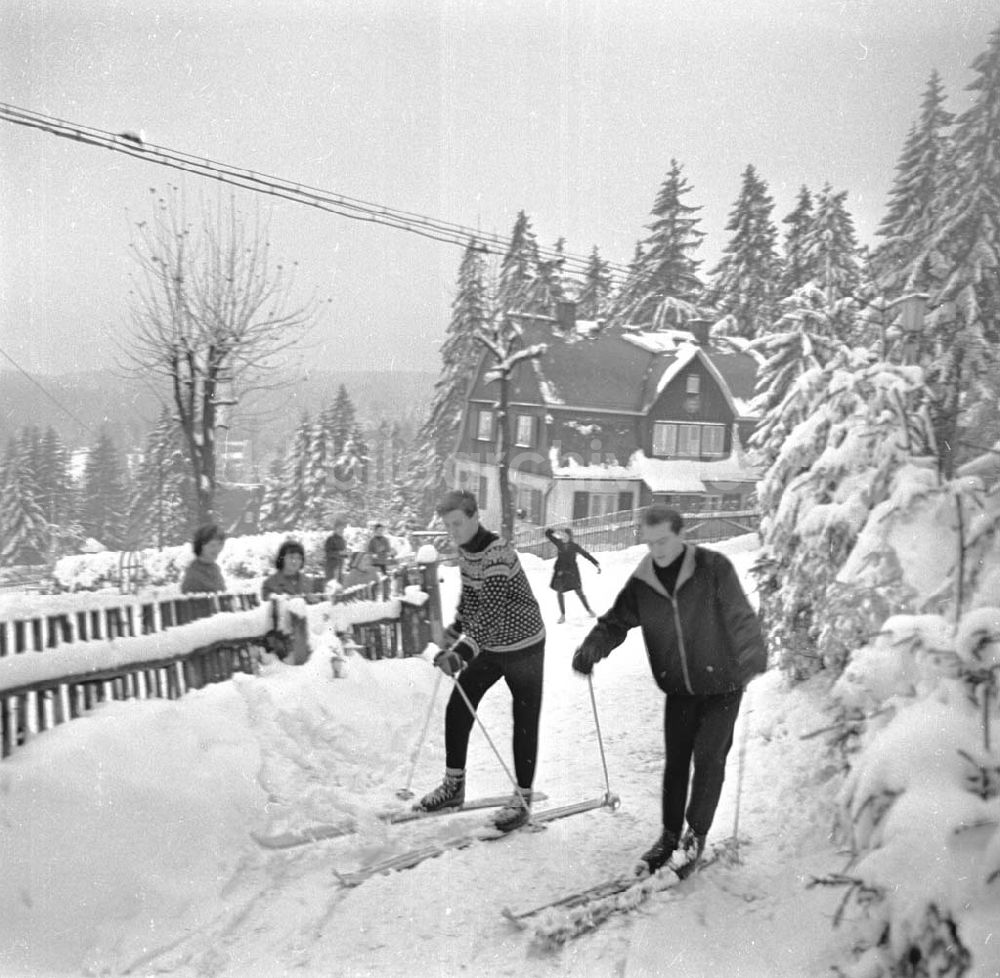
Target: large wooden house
[(608, 420)]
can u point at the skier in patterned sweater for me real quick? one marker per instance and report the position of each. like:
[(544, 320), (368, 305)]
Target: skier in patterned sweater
[(704, 645), (497, 633)]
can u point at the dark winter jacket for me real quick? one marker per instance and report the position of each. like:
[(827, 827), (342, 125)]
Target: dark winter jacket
[(565, 573), (381, 551), (280, 583), (704, 640), (334, 551), (497, 611), (202, 577)]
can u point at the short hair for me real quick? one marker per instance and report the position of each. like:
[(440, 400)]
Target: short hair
[(206, 533), (379, 526), (568, 532), (659, 513), (289, 547), (458, 499)]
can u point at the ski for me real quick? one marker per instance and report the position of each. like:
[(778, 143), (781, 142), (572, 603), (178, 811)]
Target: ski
[(572, 914), (332, 830), (407, 860)]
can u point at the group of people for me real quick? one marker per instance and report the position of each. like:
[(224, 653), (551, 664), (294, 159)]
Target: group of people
[(203, 574), (702, 638)]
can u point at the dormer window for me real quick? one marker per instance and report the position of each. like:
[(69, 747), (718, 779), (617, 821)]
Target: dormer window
[(692, 384), (678, 440)]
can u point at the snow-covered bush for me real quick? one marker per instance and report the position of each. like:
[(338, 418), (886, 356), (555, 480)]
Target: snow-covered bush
[(924, 785), (852, 427), (242, 559)]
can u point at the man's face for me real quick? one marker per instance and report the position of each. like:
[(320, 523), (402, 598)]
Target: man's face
[(663, 543), (461, 528)]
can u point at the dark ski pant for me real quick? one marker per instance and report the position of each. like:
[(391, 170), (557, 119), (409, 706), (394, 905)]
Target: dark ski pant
[(522, 670), (698, 730)]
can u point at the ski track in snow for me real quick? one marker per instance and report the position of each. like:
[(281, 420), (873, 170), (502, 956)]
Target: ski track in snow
[(282, 912)]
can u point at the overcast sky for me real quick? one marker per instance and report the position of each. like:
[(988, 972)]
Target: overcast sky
[(463, 110)]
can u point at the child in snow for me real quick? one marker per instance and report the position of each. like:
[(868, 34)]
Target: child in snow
[(565, 573), (704, 645)]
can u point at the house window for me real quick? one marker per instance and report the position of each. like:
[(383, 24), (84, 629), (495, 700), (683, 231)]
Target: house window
[(525, 431), (713, 503), (484, 431), (731, 501), (692, 384), (664, 439), (483, 488), (529, 502), (689, 440), (712, 438)]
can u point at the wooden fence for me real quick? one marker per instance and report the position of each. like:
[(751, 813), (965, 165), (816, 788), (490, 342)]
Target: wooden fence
[(387, 626), (33, 706)]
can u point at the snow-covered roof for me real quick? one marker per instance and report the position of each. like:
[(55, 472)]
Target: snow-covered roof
[(660, 474), (616, 371)]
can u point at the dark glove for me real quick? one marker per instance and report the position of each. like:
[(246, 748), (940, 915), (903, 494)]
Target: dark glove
[(598, 566), (584, 659), (452, 661), (449, 662)]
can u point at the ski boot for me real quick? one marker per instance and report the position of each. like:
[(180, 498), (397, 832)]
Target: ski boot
[(450, 793)]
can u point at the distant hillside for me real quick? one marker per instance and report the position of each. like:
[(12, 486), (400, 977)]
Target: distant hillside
[(129, 409)]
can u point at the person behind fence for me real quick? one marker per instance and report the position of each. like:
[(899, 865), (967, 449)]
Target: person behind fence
[(203, 574), (335, 550), (704, 645), (497, 634), (380, 548), (288, 578), (565, 573), (361, 571)]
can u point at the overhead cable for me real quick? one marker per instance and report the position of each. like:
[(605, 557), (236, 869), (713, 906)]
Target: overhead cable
[(133, 144)]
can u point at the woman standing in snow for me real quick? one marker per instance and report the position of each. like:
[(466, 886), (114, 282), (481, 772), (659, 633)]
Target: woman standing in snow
[(203, 574), (288, 579), (565, 574)]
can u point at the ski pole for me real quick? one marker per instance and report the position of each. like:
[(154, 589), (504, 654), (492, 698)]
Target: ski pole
[(406, 793), (740, 765), (489, 740), (610, 799)]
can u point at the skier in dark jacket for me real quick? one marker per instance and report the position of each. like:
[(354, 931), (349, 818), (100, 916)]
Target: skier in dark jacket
[(497, 634), (704, 645), (565, 573), (335, 551)]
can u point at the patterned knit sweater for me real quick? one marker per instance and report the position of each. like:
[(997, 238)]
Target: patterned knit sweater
[(497, 611)]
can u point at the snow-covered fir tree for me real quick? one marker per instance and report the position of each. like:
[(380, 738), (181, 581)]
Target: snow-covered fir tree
[(805, 338), (519, 286), (293, 500), (460, 353), (830, 245), (664, 288), (797, 270), (915, 198), (963, 261), (163, 505), (745, 283), (104, 494), (595, 293), (24, 531), (850, 426)]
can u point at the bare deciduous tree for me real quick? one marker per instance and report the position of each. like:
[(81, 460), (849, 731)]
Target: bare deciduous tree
[(211, 313)]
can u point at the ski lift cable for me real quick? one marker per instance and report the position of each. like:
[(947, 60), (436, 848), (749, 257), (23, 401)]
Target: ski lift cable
[(342, 205)]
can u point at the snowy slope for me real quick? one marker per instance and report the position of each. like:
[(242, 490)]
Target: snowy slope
[(126, 836)]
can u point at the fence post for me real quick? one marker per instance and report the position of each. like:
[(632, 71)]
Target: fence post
[(431, 584)]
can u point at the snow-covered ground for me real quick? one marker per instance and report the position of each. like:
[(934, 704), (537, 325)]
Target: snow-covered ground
[(126, 846)]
